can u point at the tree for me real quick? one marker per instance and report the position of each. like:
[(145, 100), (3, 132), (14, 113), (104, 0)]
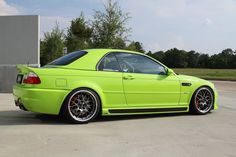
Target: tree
[(192, 59), (135, 46), (51, 47), (203, 61), (160, 55), (223, 60), (175, 58), (233, 60), (78, 35), (228, 58), (109, 27)]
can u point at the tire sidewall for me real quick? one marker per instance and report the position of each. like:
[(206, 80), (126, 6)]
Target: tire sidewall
[(66, 113), (193, 107)]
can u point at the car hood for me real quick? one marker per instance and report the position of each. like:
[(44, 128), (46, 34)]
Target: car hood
[(189, 78)]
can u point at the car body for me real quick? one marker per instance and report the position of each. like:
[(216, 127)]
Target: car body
[(124, 82)]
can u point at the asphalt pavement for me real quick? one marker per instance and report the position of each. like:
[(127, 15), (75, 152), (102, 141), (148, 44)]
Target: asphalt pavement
[(26, 134)]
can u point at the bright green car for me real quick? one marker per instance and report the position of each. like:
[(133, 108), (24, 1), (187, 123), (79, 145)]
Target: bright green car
[(84, 84)]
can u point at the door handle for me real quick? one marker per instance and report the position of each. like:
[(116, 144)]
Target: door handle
[(128, 77)]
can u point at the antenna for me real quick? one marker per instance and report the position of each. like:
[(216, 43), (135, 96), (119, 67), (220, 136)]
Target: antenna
[(64, 50)]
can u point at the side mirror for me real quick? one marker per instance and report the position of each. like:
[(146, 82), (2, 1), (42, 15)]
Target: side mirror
[(170, 72)]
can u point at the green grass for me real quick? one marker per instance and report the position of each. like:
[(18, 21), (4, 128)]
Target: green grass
[(210, 74)]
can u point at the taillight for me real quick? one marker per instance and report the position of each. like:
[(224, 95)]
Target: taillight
[(31, 78)]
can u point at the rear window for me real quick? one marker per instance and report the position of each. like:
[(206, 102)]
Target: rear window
[(69, 58)]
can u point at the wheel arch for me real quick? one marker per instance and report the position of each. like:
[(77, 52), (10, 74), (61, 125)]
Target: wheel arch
[(91, 87), (198, 87)]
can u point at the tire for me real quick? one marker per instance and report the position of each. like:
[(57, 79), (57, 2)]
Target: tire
[(202, 101), (81, 106)]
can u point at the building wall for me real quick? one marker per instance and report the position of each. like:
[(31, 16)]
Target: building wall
[(7, 78), (19, 44)]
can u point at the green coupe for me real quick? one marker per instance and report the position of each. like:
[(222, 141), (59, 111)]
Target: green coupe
[(83, 84)]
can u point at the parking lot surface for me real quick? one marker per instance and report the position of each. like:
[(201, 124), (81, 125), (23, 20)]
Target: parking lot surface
[(26, 134)]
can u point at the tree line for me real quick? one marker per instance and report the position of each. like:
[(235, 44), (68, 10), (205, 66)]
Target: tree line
[(108, 29), (176, 58)]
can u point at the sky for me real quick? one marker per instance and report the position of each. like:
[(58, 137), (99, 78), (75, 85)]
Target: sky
[(206, 26)]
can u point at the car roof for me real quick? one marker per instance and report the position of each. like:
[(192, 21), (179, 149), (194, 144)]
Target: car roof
[(90, 60), (104, 51)]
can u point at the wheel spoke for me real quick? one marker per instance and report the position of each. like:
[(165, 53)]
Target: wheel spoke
[(82, 105), (203, 100)]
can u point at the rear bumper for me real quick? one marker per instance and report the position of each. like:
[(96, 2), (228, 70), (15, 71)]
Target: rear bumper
[(46, 101)]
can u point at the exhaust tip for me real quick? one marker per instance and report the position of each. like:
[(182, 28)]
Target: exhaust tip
[(20, 105)]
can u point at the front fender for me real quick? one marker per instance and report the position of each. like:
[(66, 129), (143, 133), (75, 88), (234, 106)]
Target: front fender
[(190, 84)]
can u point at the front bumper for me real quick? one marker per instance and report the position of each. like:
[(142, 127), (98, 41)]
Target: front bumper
[(216, 99), (46, 101)]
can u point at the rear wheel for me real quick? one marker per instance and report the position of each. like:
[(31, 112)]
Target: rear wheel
[(81, 106), (202, 101)]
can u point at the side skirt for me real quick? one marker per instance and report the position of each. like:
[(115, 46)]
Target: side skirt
[(148, 110)]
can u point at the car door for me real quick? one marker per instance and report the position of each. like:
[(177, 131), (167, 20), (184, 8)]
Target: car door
[(146, 83), (109, 78)]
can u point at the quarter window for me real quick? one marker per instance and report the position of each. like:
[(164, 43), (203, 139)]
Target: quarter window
[(109, 63), (69, 58), (134, 63)]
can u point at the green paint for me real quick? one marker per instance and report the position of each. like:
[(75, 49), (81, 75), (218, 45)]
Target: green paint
[(144, 91)]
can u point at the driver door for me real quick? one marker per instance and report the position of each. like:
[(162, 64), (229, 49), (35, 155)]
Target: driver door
[(146, 83)]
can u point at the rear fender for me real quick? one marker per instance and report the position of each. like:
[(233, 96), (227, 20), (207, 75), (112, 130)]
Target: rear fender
[(90, 85)]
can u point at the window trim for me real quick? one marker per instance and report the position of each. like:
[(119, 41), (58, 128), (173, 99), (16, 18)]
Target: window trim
[(99, 62), (114, 52), (157, 62)]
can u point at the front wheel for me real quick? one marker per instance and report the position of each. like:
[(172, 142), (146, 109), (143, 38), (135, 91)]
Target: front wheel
[(81, 106), (202, 101)]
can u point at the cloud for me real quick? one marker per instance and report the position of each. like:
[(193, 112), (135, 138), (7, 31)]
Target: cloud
[(154, 46), (176, 41), (181, 8), (203, 25), (6, 9), (48, 22), (207, 22)]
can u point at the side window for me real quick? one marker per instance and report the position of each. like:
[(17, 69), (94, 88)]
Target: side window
[(109, 63), (135, 63)]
